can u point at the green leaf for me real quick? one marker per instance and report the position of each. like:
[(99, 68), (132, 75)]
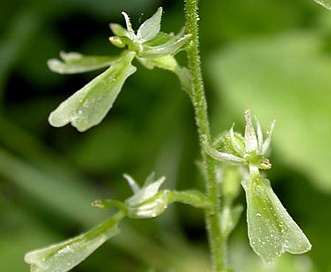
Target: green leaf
[(66, 255), (88, 106), (286, 78), (271, 230), (73, 63)]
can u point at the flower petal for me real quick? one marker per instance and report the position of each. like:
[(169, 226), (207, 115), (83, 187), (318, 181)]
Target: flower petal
[(146, 192), (267, 141), (130, 33), (150, 27), (250, 136), (133, 184)]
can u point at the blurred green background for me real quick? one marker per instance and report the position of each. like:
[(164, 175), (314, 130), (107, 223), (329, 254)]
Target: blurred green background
[(272, 56)]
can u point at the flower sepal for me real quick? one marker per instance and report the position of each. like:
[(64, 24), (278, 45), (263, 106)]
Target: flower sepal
[(148, 41), (148, 202), (250, 149)]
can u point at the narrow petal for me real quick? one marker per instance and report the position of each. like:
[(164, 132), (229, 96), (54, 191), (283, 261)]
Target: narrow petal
[(267, 141), (146, 192), (130, 32), (88, 106), (133, 184), (259, 136), (271, 230), (150, 27), (151, 189), (250, 136)]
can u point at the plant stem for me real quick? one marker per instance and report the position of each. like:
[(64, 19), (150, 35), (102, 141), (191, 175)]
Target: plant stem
[(215, 238)]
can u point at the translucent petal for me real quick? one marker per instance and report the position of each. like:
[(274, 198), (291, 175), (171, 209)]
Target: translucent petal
[(146, 192), (259, 136), (130, 32), (250, 136), (147, 201), (324, 3), (271, 230), (133, 184), (88, 106), (150, 27), (73, 63), (267, 141), (150, 208)]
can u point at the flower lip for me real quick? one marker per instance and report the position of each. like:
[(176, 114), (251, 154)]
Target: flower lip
[(254, 139)]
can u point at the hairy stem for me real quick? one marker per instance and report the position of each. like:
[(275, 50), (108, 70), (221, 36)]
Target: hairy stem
[(215, 238)]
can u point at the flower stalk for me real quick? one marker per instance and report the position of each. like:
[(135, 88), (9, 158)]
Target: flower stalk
[(216, 240)]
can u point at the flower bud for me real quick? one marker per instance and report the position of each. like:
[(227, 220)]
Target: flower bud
[(146, 202)]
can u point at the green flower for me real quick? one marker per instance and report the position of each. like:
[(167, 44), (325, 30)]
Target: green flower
[(148, 41), (250, 149), (147, 201), (271, 230)]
